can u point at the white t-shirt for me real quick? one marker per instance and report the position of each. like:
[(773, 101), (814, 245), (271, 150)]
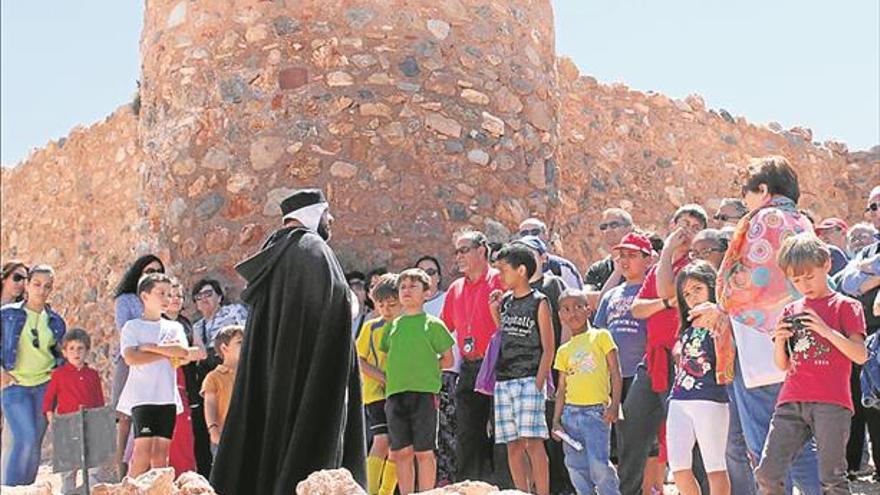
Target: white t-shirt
[(153, 383), (434, 307)]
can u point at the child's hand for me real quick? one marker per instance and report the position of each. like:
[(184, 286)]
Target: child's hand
[(782, 332), (814, 323), (676, 239), (6, 379), (49, 416), (557, 426), (705, 315), (612, 413)]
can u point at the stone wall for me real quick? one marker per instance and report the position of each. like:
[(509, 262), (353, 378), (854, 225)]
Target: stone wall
[(413, 116), (416, 117), (650, 154), (77, 205)]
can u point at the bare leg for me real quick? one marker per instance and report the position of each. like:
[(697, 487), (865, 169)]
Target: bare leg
[(122, 431), (159, 455), (719, 483), (406, 471), (539, 463), (519, 468), (141, 457), (686, 482), (427, 470)]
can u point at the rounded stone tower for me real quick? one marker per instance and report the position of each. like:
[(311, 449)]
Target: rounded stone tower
[(416, 117)]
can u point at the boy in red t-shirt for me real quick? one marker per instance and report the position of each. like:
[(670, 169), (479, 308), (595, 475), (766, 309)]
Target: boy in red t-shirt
[(816, 341), (74, 386)]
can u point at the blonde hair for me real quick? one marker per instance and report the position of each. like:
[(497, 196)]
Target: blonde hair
[(802, 252)]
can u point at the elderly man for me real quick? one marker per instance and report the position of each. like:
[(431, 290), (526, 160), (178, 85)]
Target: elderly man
[(557, 265), (859, 236), (616, 223), (296, 404), (730, 212)]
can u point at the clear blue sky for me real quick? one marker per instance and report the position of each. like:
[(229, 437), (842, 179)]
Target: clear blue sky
[(811, 62)]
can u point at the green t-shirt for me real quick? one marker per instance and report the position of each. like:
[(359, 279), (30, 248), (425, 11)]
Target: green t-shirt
[(414, 344), (33, 365)]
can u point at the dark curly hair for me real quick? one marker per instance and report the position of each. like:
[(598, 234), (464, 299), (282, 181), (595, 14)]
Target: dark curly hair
[(129, 282)]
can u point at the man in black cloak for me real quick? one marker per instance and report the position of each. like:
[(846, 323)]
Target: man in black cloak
[(296, 405)]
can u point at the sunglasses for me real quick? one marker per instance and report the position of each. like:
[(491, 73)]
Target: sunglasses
[(873, 207), (612, 225), (17, 277), (694, 254), (431, 271), (726, 218), (535, 232), (149, 271), (35, 338), (205, 294), (463, 250)]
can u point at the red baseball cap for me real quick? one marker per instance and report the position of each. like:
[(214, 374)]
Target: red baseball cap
[(830, 223), (635, 242)]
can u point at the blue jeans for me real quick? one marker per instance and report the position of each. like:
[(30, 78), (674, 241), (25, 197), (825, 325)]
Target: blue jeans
[(755, 407), (22, 409), (739, 468), (590, 468)]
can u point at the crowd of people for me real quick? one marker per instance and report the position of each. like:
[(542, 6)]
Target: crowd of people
[(726, 351)]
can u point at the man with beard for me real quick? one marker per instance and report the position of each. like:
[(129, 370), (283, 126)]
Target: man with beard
[(296, 404)]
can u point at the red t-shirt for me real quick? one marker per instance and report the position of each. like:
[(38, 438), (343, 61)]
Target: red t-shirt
[(819, 372), (662, 330), (71, 389), (466, 312)]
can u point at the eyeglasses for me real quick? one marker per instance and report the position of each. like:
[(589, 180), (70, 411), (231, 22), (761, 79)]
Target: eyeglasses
[(205, 294), (431, 271), (698, 255), (148, 271), (463, 250), (614, 224), (535, 232), (35, 338), (873, 207), (17, 277), (726, 218)]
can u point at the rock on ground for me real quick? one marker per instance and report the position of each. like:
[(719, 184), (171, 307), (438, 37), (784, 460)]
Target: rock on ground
[(329, 482)]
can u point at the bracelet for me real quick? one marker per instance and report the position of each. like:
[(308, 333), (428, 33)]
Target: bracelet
[(213, 425)]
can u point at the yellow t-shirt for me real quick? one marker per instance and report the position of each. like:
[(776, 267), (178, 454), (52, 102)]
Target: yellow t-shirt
[(33, 365), (367, 347), (583, 360)]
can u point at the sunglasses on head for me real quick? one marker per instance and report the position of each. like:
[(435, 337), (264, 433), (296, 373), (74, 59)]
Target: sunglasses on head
[(873, 207), (614, 224), (535, 232), (17, 277)]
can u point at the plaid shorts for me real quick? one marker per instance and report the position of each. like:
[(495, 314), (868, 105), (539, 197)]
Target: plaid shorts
[(519, 410)]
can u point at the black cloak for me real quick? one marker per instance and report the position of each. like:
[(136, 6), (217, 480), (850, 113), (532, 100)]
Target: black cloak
[(296, 405)]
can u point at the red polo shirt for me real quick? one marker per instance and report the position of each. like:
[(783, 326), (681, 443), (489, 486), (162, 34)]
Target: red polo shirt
[(466, 312), (71, 389)]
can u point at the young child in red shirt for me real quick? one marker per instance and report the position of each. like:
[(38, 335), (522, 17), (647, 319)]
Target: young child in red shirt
[(74, 386), (816, 341)]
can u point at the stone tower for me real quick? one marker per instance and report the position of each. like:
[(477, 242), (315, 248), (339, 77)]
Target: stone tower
[(416, 117)]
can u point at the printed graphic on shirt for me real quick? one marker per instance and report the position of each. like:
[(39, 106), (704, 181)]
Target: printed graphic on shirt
[(581, 362), (694, 364), (806, 347)]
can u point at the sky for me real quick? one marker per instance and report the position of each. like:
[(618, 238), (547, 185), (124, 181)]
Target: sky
[(70, 62)]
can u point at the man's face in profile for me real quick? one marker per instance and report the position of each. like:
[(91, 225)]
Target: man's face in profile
[(325, 226)]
